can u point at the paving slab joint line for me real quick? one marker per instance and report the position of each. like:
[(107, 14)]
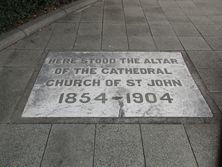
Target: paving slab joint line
[(8, 38), (141, 135), (194, 155), (94, 146), (47, 141)]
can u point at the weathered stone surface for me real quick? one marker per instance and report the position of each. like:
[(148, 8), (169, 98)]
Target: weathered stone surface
[(12, 85), (88, 42), (138, 30), (218, 99), (63, 36), (22, 145), (168, 43), (185, 30), (114, 30), (38, 40), (141, 43), (115, 84), (210, 30), (70, 145), (20, 58), (92, 14), (194, 43), (212, 78), (90, 29), (114, 43), (204, 140), (167, 145), (162, 30), (118, 145), (209, 59), (215, 42)]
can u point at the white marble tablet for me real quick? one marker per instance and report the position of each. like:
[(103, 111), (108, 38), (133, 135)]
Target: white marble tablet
[(115, 84)]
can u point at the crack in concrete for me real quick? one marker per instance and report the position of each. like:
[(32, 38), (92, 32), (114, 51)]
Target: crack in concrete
[(121, 111)]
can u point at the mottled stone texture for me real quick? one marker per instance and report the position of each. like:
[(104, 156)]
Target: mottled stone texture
[(22, 145), (118, 145)]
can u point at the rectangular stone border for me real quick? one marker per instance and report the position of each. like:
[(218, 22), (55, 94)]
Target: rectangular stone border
[(8, 38), (16, 116)]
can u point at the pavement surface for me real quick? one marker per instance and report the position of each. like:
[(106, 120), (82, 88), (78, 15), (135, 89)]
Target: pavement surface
[(193, 27)]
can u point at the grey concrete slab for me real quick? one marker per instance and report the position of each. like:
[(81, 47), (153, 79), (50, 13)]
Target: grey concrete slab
[(114, 43), (167, 145), (185, 30), (194, 11), (112, 3), (205, 59), (157, 19), (211, 10), (114, 19), (186, 4), (194, 43), (70, 145), (173, 11), (219, 54), (129, 3), (20, 58), (10, 37), (134, 15), (111, 6), (215, 42), (178, 19), (152, 11), (15, 79), (63, 36), (114, 15), (217, 19), (72, 17), (90, 29), (41, 21), (37, 40), (168, 4), (212, 78), (141, 43), (88, 42), (201, 20), (135, 19), (12, 85), (205, 143), (168, 43), (138, 30), (22, 145), (149, 4), (77, 5), (114, 30), (92, 14), (162, 30), (209, 30), (98, 4), (118, 145), (218, 99)]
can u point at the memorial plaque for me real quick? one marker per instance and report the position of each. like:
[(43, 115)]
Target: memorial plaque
[(115, 84)]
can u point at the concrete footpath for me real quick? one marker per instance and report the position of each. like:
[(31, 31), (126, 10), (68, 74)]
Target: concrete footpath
[(192, 27)]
